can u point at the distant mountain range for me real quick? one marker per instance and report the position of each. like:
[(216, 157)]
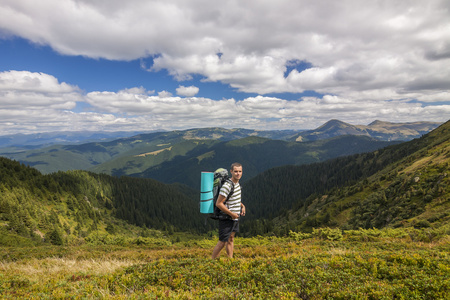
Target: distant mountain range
[(384, 131), (378, 129), (160, 155)]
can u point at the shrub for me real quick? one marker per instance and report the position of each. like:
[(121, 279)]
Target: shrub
[(332, 234), (422, 224), (299, 236)]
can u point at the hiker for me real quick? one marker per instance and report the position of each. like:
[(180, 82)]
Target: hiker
[(233, 208)]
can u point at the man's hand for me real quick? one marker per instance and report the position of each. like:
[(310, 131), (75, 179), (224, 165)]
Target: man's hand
[(234, 216), (243, 210)]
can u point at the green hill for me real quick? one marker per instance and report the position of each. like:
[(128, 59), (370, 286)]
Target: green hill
[(85, 156), (402, 185), (75, 206), (180, 156)]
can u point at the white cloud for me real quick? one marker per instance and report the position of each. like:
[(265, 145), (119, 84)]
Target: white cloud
[(352, 45), (27, 90), (33, 82), (136, 109), (187, 91), (386, 60), (260, 111), (164, 94)]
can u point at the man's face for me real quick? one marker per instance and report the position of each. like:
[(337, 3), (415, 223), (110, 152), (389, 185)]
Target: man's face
[(236, 173)]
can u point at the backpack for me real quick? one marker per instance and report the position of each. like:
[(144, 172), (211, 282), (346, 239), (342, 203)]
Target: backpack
[(220, 177)]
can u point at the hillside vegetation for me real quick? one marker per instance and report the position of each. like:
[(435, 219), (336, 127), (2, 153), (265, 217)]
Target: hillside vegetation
[(402, 185), (256, 155), (363, 264), (77, 206)]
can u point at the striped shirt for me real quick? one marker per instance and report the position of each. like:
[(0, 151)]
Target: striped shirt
[(234, 203)]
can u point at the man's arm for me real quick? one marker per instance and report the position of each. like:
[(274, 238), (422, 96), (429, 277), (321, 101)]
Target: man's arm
[(242, 209), (220, 203)]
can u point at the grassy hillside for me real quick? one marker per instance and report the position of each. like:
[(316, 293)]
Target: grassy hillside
[(143, 158), (402, 185), (85, 156), (365, 226)]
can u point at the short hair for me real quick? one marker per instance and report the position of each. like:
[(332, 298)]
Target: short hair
[(236, 164)]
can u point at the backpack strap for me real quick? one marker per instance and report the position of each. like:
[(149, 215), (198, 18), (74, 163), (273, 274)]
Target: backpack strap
[(231, 190)]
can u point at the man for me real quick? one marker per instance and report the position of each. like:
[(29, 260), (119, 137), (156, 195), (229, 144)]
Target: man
[(233, 208)]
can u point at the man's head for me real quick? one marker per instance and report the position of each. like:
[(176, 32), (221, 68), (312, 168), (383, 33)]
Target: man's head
[(236, 164), (236, 171)]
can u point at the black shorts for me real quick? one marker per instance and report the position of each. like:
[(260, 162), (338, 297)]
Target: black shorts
[(226, 227)]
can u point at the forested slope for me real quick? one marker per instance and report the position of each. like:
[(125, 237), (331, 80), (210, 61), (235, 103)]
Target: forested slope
[(68, 207), (396, 186)]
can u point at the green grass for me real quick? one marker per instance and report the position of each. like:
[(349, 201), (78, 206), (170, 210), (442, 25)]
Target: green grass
[(364, 264)]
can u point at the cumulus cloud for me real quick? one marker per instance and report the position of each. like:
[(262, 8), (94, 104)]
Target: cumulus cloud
[(351, 45), (261, 112), (370, 59), (164, 94), (136, 109), (187, 91), (27, 90)]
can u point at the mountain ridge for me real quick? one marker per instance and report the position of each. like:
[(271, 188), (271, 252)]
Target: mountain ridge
[(378, 129), (90, 156)]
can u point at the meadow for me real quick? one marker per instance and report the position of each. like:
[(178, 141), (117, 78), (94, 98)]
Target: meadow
[(324, 264)]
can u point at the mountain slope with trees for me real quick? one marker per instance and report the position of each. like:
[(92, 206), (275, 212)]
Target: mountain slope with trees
[(401, 185), (71, 207)]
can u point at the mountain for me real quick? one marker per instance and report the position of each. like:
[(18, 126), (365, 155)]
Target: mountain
[(380, 130), (256, 155), (399, 131), (402, 185), (160, 154), (87, 155), (145, 155)]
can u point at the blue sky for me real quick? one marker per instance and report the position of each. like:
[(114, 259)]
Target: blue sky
[(147, 65)]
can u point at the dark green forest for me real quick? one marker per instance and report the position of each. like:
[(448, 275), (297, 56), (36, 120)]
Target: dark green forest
[(69, 206)]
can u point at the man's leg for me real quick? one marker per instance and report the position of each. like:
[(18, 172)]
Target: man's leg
[(217, 249), (230, 245)]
